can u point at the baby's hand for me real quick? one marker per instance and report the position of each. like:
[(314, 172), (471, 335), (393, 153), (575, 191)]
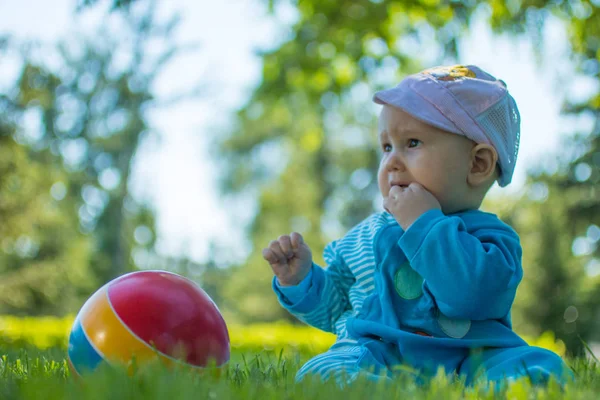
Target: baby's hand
[(407, 204), (290, 258)]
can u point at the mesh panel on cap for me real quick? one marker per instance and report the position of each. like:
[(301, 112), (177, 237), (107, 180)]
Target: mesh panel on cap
[(502, 123)]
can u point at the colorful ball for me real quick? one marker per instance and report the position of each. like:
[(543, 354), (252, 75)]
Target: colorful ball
[(148, 315)]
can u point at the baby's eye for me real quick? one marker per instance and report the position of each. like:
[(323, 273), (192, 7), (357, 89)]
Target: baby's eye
[(410, 141), (386, 147)]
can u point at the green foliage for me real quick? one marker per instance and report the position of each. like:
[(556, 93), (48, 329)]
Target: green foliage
[(43, 256), (69, 131), (97, 108)]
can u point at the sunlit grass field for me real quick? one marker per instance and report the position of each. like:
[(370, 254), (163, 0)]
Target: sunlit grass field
[(263, 363)]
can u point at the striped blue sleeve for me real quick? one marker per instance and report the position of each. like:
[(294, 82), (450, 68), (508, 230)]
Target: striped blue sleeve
[(326, 297), (293, 294), (472, 274)]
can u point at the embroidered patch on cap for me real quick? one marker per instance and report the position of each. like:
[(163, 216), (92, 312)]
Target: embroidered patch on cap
[(455, 328), (408, 283), (450, 73)]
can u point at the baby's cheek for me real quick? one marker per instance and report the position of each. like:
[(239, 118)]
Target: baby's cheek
[(383, 187)]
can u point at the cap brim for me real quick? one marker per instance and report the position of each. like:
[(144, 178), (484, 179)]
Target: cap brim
[(415, 105)]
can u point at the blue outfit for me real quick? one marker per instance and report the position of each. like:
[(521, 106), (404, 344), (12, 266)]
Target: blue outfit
[(438, 294)]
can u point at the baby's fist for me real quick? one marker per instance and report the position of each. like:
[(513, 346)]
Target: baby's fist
[(290, 258), (409, 203)]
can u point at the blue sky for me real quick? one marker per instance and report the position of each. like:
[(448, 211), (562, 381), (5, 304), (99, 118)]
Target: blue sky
[(188, 215)]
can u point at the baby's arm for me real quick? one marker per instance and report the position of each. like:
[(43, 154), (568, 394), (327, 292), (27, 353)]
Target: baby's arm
[(472, 275), (324, 292)]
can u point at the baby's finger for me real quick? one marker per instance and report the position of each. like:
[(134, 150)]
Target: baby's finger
[(269, 256), (275, 248), (277, 267), (395, 191), (296, 240), (388, 201), (286, 246), (385, 205)]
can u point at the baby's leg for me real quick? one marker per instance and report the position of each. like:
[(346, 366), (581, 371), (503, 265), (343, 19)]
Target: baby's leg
[(512, 363), (344, 364)]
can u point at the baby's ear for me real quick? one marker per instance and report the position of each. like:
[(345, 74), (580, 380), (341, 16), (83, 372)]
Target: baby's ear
[(482, 168)]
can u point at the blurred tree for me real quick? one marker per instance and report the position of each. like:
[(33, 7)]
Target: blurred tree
[(94, 119), (43, 257), (78, 121), (304, 149)]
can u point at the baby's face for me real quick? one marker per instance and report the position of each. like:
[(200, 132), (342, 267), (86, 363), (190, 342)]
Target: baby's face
[(413, 151)]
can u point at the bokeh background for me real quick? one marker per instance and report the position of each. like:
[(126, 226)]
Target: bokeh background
[(185, 135)]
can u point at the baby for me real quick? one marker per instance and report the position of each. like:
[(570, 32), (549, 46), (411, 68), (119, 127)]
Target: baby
[(430, 282)]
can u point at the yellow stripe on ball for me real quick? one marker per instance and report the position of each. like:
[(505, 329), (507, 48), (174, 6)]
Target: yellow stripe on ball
[(110, 336)]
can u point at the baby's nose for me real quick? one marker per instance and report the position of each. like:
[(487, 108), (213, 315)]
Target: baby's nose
[(395, 162)]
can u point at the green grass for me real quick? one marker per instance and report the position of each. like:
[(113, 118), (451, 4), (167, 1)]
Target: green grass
[(28, 373)]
